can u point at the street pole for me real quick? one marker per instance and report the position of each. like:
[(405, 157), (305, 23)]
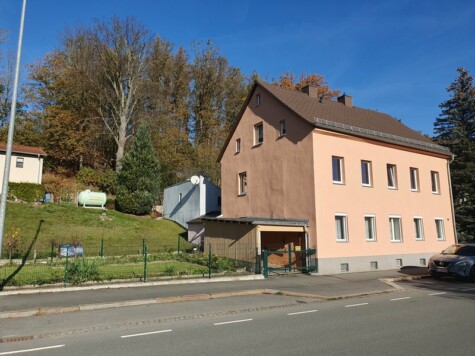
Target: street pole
[(8, 156)]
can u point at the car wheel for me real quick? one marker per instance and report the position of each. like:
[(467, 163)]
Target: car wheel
[(435, 276), (472, 274)]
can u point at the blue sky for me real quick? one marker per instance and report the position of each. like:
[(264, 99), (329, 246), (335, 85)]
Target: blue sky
[(396, 57)]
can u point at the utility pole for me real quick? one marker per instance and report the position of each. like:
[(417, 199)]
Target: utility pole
[(8, 156)]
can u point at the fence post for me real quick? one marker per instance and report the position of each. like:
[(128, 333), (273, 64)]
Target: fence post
[(102, 247), (265, 263), (52, 251), (66, 268), (143, 247), (290, 257), (178, 247), (209, 261), (145, 264)]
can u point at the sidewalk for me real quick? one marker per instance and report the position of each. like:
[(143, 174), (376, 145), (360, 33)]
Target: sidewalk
[(40, 301)]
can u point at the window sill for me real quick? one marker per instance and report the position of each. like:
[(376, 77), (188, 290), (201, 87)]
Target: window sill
[(367, 186), (242, 194), (435, 193), (341, 241), (338, 183), (370, 240), (257, 145), (396, 242), (392, 188), (415, 190)]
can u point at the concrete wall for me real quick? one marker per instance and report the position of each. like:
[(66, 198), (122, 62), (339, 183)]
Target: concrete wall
[(185, 209), (32, 171)]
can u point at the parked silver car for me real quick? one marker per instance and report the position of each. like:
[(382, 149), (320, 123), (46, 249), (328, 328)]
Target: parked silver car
[(456, 260)]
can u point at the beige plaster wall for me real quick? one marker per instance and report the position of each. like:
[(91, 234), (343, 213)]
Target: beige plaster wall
[(30, 173), (356, 200), (279, 171)]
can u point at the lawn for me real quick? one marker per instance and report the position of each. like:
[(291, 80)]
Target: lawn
[(44, 225)]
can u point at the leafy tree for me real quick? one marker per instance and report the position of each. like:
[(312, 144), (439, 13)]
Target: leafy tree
[(287, 81), (138, 182), (455, 129)]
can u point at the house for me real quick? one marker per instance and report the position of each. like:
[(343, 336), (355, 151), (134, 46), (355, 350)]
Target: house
[(357, 185), (186, 201), (26, 165)]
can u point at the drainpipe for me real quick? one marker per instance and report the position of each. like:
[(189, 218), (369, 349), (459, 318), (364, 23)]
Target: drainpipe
[(39, 171), (452, 198)]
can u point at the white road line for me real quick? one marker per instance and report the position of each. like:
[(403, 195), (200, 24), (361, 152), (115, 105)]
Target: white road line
[(303, 312), (438, 293), (232, 322), (32, 350), (355, 305), (394, 299), (466, 290), (149, 333)]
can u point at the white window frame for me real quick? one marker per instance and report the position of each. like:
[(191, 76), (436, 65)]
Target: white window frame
[(340, 168), (368, 168), (238, 145), (344, 226), (373, 227), (180, 197), (20, 162), (440, 230), (418, 228), (392, 226), (414, 179), (258, 134), (391, 171), (258, 99), (282, 128), (435, 182), (242, 183)]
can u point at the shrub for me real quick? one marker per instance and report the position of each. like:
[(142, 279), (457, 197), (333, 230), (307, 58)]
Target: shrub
[(82, 271), (29, 192), (89, 177), (108, 183), (12, 242)]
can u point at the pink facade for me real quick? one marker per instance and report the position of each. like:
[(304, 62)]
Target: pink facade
[(371, 203)]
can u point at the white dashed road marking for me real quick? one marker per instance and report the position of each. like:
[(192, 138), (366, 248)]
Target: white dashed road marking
[(303, 312), (31, 350), (355, 305), (145, 334), (232, 322)]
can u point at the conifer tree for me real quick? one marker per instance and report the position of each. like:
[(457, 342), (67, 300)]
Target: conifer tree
[(455, 129), (138, 182)]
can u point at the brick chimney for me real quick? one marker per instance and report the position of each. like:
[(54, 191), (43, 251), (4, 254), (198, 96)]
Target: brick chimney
[(345, 100), (311, 91)]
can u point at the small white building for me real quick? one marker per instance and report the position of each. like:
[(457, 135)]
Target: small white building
[(26, 165), (189, 200)]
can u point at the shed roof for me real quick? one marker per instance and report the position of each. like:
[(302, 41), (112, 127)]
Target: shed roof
[(29, 150), (253, 220)]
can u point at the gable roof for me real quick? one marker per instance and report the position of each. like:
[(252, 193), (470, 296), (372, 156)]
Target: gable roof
[(335, 116), (28, 150)]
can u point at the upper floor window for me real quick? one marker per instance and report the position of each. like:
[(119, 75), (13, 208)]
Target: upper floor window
[(395, 228), (19, 162), (366, 179), (370, 227), (238, 145), (258, 99), (242, 183), (392, 176), (414, 176), (434, 177), (282, 128), (258, 134), (439, 227), (341, 227), (337, 169), (180, 197)]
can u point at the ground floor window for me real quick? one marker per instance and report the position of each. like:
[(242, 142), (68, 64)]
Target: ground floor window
[(395, 228)]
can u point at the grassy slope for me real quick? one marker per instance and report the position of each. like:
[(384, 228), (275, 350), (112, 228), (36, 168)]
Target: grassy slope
[(122, 233)]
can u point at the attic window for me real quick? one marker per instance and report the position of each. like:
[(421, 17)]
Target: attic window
[(19, 162), (282, 128), (258, 99)]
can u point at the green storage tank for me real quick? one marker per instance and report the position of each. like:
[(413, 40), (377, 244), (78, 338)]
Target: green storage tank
[(94, 199)]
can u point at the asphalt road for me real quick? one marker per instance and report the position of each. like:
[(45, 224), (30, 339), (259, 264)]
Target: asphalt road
[(429, 318)]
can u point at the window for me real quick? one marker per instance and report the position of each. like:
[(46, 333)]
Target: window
[(258, 134), (337, 169), (282, 128), (238, 145), (414, 175), (399, 262), (180, 197), (392, 176), (242, 183), (344, 267), (341, 227), (19, 162), (366, 173), (374, 265), (395, 228), (422, 262), (439, 226), (370, 227), (258, 99), (418, 229), (434, 177)]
